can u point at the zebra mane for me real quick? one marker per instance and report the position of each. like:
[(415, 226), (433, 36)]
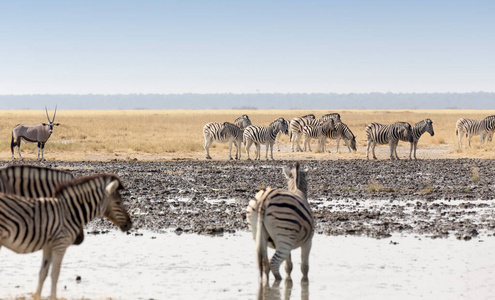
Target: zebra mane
[(229, 124), (86, 179), (312, 116)]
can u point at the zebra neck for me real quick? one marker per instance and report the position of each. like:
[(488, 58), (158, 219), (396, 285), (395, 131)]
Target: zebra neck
[(83, 204)]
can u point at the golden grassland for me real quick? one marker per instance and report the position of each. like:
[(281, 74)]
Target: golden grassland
[(178, 134)]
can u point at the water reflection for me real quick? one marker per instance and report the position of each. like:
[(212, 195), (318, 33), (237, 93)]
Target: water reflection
[(267, 292)]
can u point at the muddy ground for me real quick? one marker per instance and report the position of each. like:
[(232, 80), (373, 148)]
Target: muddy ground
[(435, 198)]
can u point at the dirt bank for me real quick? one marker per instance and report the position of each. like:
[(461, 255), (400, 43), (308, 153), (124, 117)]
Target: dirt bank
[(373, 198)]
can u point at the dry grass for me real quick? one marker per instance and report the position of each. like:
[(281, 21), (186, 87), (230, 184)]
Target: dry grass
[(169, 134)]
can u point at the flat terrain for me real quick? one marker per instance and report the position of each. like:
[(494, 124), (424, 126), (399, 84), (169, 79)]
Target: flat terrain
[(374, 198)]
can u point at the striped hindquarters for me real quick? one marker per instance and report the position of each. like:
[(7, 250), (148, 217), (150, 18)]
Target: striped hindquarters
[(468, 126), (286, 216), (297, 124), (377, 132), (214, 132), (257, 134)]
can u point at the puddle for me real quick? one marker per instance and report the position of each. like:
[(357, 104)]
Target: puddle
[(189, 266)]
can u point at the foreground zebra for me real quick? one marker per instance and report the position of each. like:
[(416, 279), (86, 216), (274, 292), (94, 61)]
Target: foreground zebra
[(39, 133), (282, 219), (35, 182), (263, 135), (417, 131), (377, 133), (243, 121), (52, 224), (341, 131), (472, 127), (223, 133)]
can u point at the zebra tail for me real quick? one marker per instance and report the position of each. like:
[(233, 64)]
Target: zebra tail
[(456, 132), (261, 242), (12, 144)]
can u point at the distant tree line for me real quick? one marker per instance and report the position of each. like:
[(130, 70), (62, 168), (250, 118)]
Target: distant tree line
[(330, 101)]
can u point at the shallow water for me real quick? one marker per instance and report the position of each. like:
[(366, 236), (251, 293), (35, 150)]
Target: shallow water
[(168, 266)]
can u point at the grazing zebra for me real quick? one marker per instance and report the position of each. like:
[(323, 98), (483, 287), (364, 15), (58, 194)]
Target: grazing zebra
[(279, 134), (223, 133), (377, 133), (35, 182), (341, 131), (317, 132), (334, 116), (39, 133), (282, 219), (417, 131), (52, 224), (295, 129), (243, 121), (263, 135), (473, 127)]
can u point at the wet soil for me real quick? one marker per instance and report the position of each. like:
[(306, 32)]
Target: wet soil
[(436, 198)]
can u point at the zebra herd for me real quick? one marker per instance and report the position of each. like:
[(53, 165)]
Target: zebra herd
[(243, 132), (471, 127), (308, 127)]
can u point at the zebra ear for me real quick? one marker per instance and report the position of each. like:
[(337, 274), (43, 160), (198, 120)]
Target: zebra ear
[(287, 172), (112, 187)]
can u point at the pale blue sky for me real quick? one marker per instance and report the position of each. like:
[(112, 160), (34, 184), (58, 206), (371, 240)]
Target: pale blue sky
[(110, 47)]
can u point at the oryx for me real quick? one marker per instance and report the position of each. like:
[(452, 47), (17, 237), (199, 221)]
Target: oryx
[(39, 133)]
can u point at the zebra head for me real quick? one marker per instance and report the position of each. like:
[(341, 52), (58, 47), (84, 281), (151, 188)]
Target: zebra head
[(281, 125), (114, 209), (429, 127), (296, 179), (353, 143), (50, 123), (243, 121)]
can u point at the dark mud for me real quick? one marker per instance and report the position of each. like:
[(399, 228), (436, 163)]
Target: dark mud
[(436, 198)]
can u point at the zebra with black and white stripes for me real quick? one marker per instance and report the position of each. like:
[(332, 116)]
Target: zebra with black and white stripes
[(263, 135), (223, 133), (473, 127), (489, 127), (377, 133), (295, 129), (35, 182), (243, 121), (282, 219), (341, 131), (52, 224), (417, 131), (317, 132)]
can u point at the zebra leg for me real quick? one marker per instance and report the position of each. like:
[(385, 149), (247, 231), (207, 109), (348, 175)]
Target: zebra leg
[(45, 265), (288, 267), (305, 249), (271, 150), (298, 141), (368, 144), (207, 145), (469, 140), (247, 145), (373, 149), (58, 255), (277, 259), (415, 147), (230, 150), (258, 151)]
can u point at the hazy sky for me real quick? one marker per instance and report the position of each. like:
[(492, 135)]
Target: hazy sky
[(186, 46)]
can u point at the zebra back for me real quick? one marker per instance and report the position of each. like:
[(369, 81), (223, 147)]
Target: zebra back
[(334, 116), (468, 126), (297, 123), (382, 134), (33, 181)]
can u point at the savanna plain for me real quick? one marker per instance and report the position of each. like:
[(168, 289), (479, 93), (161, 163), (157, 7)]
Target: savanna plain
[(386, 207)]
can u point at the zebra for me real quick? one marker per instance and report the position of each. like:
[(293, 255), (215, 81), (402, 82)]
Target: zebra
[(334, 116), (295, 129), (377, 133), (39, 133), (473, 127), (279, 134), (263, 135), (317, 132), (52, 224), (282, 219), (243, 121), (223, 133), (417, 131), (35, 182), (341, 131)]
